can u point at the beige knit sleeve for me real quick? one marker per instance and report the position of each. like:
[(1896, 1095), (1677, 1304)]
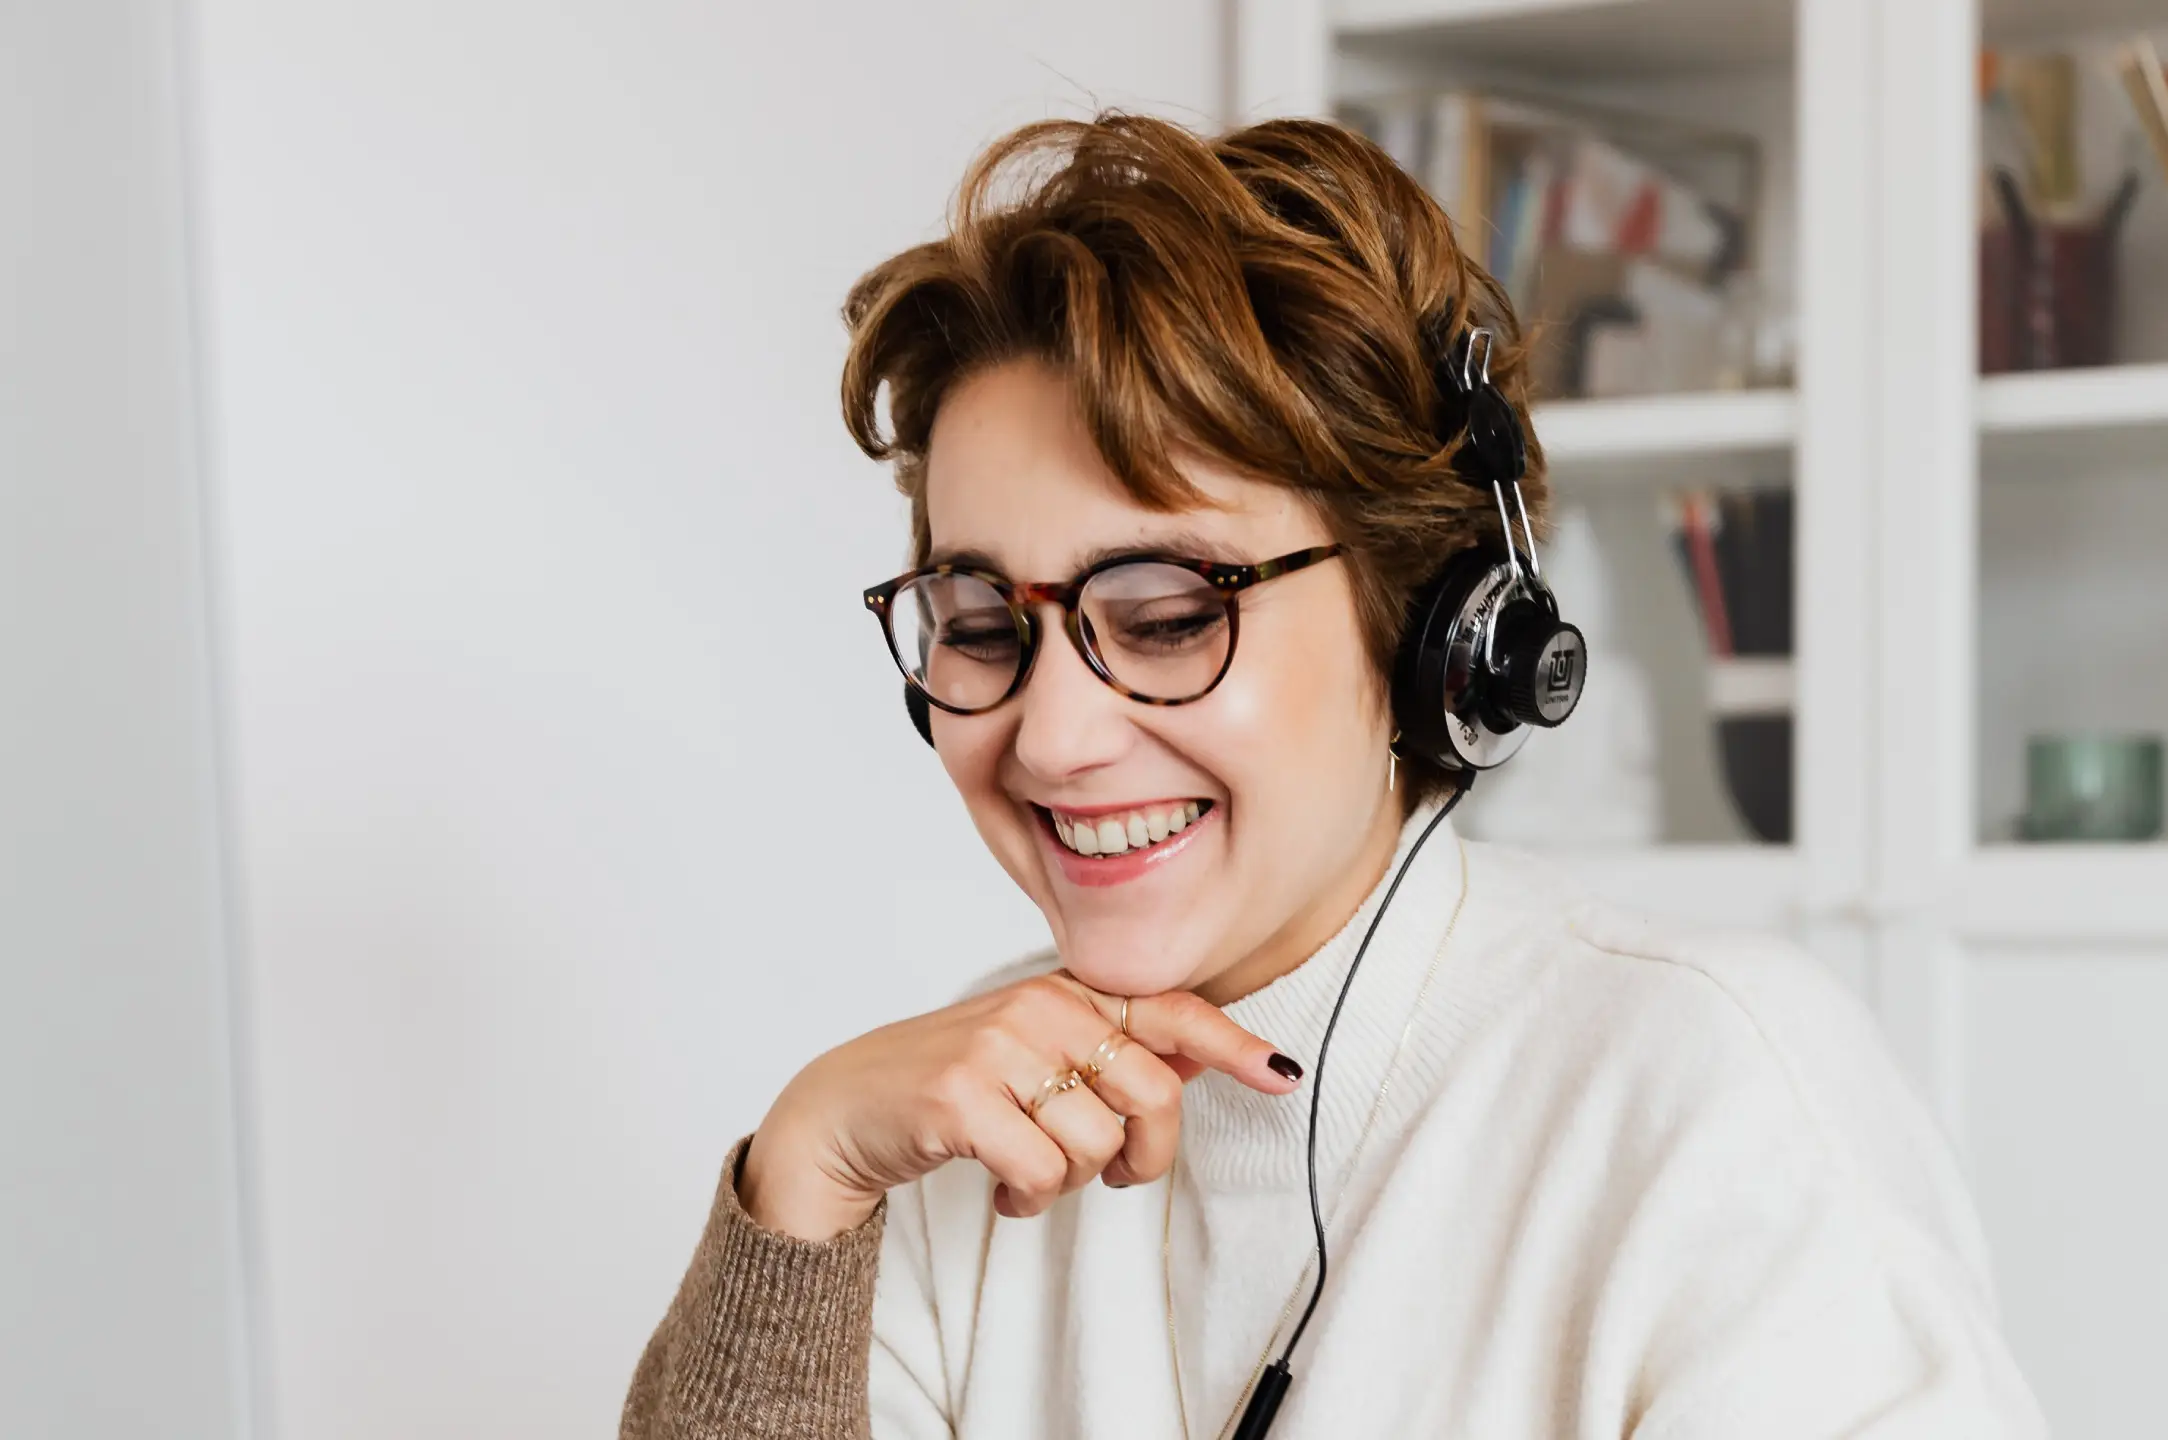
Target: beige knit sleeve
[(768, 1337)]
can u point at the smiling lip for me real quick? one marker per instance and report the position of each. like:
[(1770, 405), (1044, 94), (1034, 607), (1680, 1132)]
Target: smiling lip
[(1097, 871), (1122, 809)]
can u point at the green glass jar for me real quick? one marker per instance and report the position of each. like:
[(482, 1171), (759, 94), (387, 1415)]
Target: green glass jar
[(2092, 787)]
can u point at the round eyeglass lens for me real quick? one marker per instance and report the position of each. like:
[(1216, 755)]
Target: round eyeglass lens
[(956, 638), (1162, 631)]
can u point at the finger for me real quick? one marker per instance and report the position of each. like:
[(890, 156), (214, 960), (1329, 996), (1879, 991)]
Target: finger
[(1147, 1091), (1089, 1134), (1080, 1121), (1177, 1023), (1054, 1016), (1026, 1161), (1190, 1034), (1041, 1033)]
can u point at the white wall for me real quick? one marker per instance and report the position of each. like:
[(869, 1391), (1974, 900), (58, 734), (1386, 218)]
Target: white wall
[(565, 842), (120, 1268)]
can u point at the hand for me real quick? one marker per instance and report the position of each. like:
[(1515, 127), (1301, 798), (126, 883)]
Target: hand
[(901, 1101)]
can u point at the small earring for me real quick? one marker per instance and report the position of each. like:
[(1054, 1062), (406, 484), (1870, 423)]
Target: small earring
[(1392, 763)]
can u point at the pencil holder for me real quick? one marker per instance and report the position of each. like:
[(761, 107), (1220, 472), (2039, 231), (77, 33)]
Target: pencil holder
[(2047, 290)]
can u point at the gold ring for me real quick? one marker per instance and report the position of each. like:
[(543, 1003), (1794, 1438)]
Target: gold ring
[(1103, 1057), (1059, 1083), (1125, 1015)]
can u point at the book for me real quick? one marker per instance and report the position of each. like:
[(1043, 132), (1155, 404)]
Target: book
[(1458, 172), (1614, 235)]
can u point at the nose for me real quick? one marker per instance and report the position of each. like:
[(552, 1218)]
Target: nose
[(1069, 720)]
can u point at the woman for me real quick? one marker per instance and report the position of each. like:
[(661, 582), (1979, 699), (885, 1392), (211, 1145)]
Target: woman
[(1580, 1174)]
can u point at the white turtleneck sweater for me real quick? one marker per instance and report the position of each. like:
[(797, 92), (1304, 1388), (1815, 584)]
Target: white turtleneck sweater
[(1626, 1179)]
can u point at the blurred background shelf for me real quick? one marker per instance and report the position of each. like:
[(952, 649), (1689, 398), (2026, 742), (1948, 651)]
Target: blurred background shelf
[(2107, 397), (2098, 894), (2008, 894), (2022, 22), (1579, 38), (1666, 437)]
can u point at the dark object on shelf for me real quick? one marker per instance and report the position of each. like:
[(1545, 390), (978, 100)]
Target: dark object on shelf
[(1756, 751), (1737, 551), (2092, 787), (2047, 291), (1593, 314)]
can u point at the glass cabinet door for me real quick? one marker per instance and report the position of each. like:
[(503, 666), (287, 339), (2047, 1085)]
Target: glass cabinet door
[(2058, 996), (1626, 170), (2073, 499)]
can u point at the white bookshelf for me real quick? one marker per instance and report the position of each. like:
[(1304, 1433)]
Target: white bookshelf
[(2111, 397), (1358, 17), (2017, 22), (1959, 542), (1649, 435), (1582, 38)]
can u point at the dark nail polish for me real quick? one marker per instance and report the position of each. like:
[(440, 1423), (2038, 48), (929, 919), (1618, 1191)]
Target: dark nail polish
[(1283, 1065)]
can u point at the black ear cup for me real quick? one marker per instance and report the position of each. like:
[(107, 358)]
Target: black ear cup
[(921, 713), (1440, 654)]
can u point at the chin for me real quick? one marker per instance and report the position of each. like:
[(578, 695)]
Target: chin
[(1131, 921), (1124, 956)]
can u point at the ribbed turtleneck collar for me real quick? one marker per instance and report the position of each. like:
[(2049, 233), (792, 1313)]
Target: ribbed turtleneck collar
[(1235, 1138)]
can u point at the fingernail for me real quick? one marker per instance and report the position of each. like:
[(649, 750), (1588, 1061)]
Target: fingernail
[(1118, 1184), (1284, 1065)]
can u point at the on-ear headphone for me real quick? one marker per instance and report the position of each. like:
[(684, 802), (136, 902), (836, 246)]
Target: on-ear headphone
[(1485, 656)]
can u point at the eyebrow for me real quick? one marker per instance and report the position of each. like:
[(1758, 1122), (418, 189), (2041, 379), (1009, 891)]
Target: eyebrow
[(1187, 544)]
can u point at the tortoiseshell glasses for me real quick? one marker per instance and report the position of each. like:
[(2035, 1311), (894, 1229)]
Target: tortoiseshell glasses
[(1158, 628)]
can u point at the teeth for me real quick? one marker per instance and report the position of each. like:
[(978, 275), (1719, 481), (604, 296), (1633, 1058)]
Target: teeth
[(1130, 830)]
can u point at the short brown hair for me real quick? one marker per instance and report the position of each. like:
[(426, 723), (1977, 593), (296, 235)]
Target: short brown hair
[(1276, 298)]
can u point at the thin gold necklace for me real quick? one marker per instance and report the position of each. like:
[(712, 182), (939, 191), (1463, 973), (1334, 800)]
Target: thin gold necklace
[(1362, 1139)]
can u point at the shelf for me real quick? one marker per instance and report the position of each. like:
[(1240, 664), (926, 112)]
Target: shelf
[(2014, 22), (2051, 425), (2084, 893), (1667, 438), (1580, 38), (2071, 894), (1645, 433), (2112, 396)]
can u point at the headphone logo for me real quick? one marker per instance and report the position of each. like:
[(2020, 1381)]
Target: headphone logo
[(1560, 676)]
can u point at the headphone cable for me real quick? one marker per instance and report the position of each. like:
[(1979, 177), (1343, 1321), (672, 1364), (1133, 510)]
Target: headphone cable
[(1264, 1403)]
